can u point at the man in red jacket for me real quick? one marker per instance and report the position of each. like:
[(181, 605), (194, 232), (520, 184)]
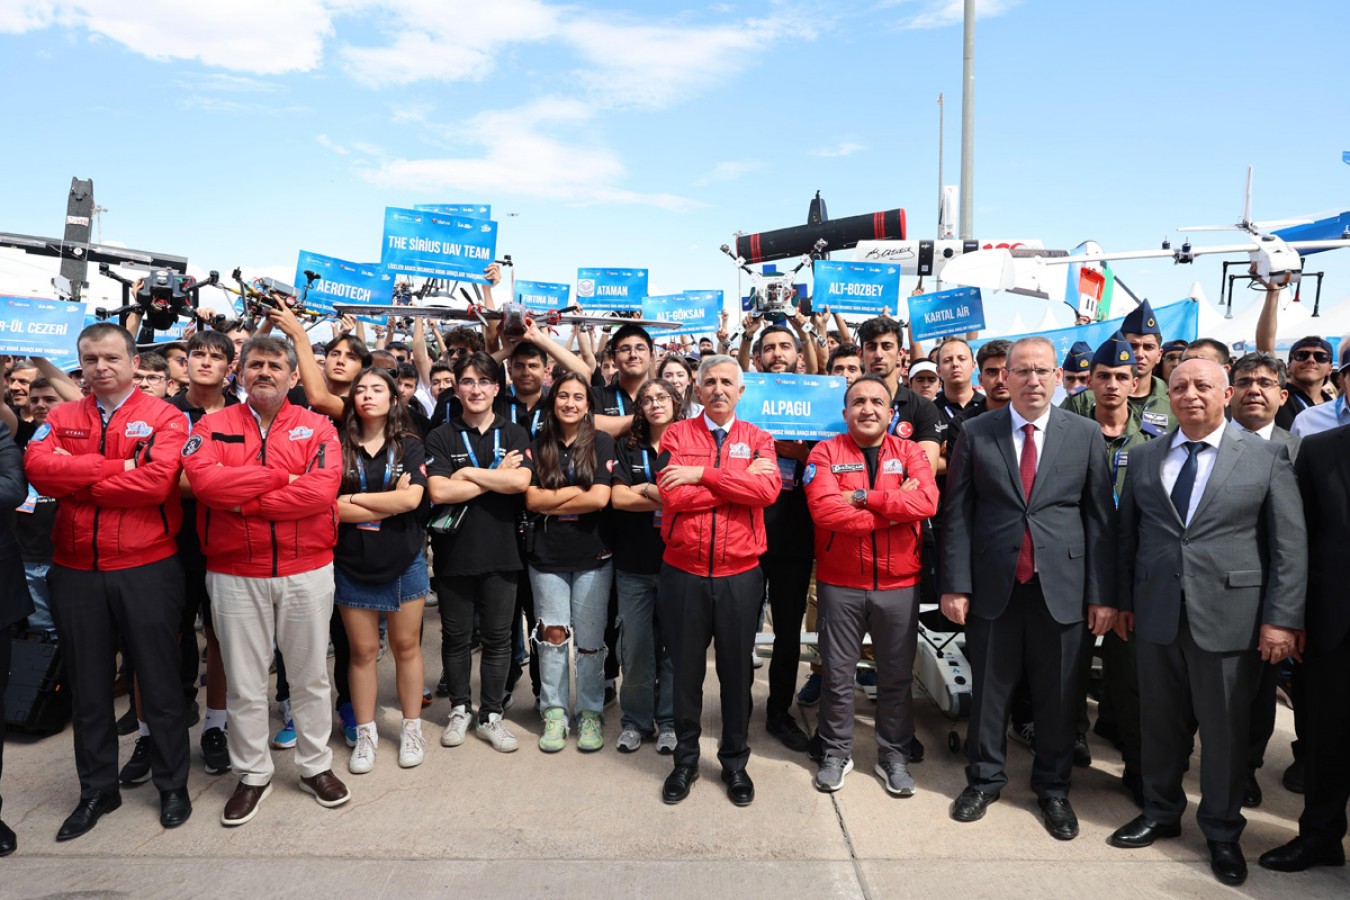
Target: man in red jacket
[(266, 474), (721, 476), (111, 462), (869, 493)]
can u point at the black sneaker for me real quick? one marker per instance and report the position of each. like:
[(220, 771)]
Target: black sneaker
[(216, 751), (137, 769), (443, 687)]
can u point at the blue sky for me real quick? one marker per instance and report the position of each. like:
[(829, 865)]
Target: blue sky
[(646, 134)]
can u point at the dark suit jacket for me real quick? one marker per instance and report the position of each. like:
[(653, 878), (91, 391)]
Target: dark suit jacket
[(1070, 515), (15, 604), (1323, 469), (1241, 562)]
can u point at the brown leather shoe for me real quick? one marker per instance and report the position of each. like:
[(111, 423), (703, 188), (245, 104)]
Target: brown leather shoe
[(243, 804), (327, 788)]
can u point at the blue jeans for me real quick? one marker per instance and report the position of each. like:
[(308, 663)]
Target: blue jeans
[(40, 619), (578, 601), (648, 671)]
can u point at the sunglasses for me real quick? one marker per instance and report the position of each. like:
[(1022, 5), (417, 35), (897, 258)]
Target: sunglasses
[(1315, 355)]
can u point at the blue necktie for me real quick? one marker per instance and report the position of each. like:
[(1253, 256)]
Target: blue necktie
[(1181, 491), (719, 435)]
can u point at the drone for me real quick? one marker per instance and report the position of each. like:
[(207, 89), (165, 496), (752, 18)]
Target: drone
[(773, 295), (513, 317), (161, 297), (264, 293)]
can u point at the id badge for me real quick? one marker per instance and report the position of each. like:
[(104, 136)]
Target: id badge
[(29, 504), (368, 526), (788, 469), (656, 518)]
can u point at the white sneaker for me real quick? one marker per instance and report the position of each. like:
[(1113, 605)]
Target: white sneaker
[(495, 733), (410, 745), (456, 727), (362, 759)]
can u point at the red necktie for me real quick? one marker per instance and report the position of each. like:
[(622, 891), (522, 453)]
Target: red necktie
[(1026, 561)]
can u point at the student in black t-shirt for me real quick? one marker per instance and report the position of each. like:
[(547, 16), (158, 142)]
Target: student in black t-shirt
[(379, 567), (480, 461), (646, 699), (570, 566)]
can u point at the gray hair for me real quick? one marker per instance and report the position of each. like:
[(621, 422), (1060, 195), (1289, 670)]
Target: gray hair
[(270, 346), (1034, 340), (708, 363)]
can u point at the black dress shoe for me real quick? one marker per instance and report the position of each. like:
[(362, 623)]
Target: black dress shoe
[(174, 807), (1226, 862), (1133, 783), (786, 729), (8, 842), (127, 724), (970, 804), (1252, 796), (1293, 777), (87, 814), (1082, 756), (678, 783), (1300, 854), (1059, 818), (740, 789), (1141, 831)]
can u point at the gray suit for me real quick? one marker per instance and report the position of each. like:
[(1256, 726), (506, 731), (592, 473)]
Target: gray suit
[(1038, 627), (1200, 593)]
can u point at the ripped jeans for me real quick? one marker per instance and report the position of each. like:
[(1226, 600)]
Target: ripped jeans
[(579, 602)]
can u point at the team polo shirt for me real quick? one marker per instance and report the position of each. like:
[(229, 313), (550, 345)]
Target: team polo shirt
[(637, 535), (575, 543)]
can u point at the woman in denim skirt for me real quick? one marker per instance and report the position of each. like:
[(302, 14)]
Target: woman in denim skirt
[(379, 567)]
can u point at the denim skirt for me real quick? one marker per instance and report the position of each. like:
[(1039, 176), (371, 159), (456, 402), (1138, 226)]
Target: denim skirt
[(387, 596)]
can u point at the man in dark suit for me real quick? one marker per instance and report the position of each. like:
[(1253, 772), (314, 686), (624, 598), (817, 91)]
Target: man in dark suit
[(1028, 546), (15, 603), (1323, 470), (1213, 565)]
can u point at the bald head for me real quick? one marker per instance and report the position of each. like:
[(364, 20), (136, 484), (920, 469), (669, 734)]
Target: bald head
[(1199, 393)]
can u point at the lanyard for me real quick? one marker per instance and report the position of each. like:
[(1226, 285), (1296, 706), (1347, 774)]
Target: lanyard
[(646, 464), (618, 395), (496, 448), (388, 470), (534, 423)]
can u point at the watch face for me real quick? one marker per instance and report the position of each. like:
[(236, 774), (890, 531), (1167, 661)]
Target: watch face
[(859, 496)]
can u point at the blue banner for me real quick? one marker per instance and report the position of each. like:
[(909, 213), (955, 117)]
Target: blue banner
[(1177, 321), (471, 210), (603, 290), (40, 327), (794, 407), (542, 294), (433, 245), (696, 311), (342, 282), (856, 288), (947, 312)]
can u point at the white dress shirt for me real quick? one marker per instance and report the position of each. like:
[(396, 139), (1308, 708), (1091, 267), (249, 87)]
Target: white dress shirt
[(1204, 465), (1019, 437), (1264, 432), (713, 426)]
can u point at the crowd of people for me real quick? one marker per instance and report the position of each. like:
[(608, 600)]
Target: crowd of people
[(594, 513)]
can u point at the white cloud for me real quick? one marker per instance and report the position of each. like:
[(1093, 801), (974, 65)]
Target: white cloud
[(730, 171), (844, 148), (941, 13)]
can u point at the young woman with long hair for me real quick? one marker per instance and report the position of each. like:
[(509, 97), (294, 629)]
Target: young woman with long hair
[(569, 561), (379, 566), (645, 697), (680, 373)]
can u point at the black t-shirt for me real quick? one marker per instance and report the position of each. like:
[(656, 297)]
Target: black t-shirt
[(787, 521), (1298, 401), (379, 552), (486, 541), (449, 407), (870, 455), (637, 535), (612, 400), (914, 417), (528, 417), (575, 543), (950, 411), (189, 545)]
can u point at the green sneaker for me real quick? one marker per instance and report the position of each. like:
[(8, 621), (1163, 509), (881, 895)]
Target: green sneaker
[(554, 737), (590, 736)]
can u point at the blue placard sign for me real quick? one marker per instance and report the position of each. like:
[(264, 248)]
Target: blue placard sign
[(695, 311), (542, 294), (856, 288), (342, 282), (472, 210), (946, 312), (438, 246), (602, 290), (39, 327), (794, 407)]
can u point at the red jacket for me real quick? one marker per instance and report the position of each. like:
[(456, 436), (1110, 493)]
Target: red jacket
[(876, 548), (717, 527), (281, 527), (109, 517)]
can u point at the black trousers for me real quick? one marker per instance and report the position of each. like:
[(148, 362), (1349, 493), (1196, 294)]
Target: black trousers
[(1326, 699), (522, 624), (6, 653), (789, 578), (144, 605), (696, 611), (194, 601), (493, 598), (1025, 637)]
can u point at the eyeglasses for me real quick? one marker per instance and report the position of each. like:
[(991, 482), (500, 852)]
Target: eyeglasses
[(1265, 384), (655, 400), (1315, 355), (631, 349), (181, 360), (147, 379), (1027, 372), (482, 383)]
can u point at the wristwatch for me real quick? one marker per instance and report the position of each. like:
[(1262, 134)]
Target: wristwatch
[(860, 498)]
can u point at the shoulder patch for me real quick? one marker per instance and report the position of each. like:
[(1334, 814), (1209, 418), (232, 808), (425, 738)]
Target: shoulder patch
[(193, 444), (809, 473), (42, 432), (300, 432)]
